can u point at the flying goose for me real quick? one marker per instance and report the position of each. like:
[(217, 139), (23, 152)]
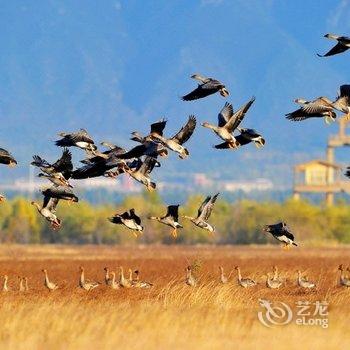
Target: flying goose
[(175, 143), (171, 218), (97, 156), (7, 158), (129, 220), (60, 192), (228, 122), (343, 280), (246, 136), (304, 282), (203, 214), (140, 284), (49, 284), (86, 284), (282, 233), (48, 210), (321, 107), (58, 172), (157, 128), (342, 45), (190, 280), (244, 282), (142, 172), (342, 103), (80, 139), (206, 87)]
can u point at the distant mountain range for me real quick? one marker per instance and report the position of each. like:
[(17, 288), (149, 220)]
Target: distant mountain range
[(117, 67)]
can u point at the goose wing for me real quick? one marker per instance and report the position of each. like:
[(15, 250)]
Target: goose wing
[(134, 217), (147, 165), (343, 100), (208, 207), (6, 156), (64, 165), (50, 203), (173, 211), (338, 48), (186, 131), (238, 116), (209, 87), (225, 114), (158, 127), (40, 162), (200, 78)]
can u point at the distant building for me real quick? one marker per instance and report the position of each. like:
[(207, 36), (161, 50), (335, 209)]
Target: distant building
[(323, 176)]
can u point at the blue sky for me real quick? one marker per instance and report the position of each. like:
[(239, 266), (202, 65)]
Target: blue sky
[(115, 66)]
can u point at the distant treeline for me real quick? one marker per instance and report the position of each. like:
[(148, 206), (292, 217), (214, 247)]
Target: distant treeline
[(240, 222)]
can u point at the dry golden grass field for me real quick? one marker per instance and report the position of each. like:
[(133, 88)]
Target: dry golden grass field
[(171, 315)]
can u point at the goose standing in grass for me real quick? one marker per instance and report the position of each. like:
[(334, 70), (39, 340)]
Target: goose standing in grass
[(204, 213), (60, 192), (275, 275), (282, 233), (80, 139), (244, 282), (5, 287), (228, 122), (123, 282), (272, 283), (21, 287), (113, 284), (176, 142), (206, 87), (342, 102), (108, 279), (58, 172), (223, 278), (304, 282), (129, 220), (343, 280), (51, 286), (86, 284), (137, 283), (48, 210), (321, 107), (190, 280), (343, 44), (25, 280), (7, 158), (171, 218), (142, 172)]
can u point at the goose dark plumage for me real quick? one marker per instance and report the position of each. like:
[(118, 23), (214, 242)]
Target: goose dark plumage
[(7, 158), (171, 218), (206, 87), (282, 233), (80, 139), (343, 44)]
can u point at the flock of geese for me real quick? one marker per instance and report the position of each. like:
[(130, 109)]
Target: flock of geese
[(140, 161), (273, 280)]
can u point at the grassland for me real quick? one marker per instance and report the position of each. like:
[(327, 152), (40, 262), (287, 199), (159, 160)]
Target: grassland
[(171, 315)]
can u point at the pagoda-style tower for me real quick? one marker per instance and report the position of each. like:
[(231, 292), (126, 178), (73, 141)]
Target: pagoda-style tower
[(323, 176)]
